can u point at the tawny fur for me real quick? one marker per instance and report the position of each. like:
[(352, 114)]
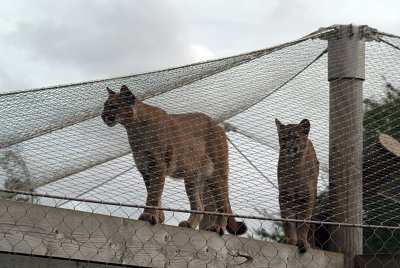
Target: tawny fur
[(298, 170), (189, 146)]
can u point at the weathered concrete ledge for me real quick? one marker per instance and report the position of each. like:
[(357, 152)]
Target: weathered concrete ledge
[(43, 231)]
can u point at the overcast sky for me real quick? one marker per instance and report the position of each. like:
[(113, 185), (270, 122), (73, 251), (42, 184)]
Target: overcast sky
[(48, 42)]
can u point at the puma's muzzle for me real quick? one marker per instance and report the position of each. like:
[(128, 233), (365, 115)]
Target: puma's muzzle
[(109, 120)]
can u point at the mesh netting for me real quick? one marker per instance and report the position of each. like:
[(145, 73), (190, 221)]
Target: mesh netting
[(55, 149)]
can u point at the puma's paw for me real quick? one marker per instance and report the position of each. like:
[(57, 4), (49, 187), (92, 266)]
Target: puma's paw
[(149, 218), (185, 224), (303, 246), (161, 217), (290, 241), (216, 228)]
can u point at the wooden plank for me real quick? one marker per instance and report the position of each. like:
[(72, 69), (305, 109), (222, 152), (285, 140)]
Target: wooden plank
[(54, 232)]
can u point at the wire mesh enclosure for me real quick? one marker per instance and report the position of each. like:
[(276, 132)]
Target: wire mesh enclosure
[(196, 151)]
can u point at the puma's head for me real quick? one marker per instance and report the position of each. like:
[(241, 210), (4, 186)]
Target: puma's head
[(118, 108), (293, 138)]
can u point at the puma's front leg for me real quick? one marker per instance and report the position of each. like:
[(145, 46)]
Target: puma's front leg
[(154, 178), (193, 189), (303, 229), (289, 228), (154, 186)]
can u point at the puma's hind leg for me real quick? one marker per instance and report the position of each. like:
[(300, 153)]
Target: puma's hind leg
[(218, 184), (209, 206), (193, 189)]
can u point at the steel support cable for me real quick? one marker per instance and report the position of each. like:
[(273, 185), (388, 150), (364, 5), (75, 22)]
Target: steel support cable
[(251, 163), (242, 109), (98, 185), (265, 144), (388, 34), (388, 43), (84, 168)]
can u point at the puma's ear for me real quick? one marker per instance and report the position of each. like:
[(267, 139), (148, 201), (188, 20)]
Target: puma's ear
[(305, 126), (125, 89), (278, 124), (110, 92), (127, 95)]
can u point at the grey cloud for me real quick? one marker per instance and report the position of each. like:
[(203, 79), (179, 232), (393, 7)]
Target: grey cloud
[(234, 26), (51, 42), (100, 38), (303, 17), (227, 27), (8, 81)]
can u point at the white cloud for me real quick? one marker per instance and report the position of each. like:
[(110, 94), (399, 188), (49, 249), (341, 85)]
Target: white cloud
[(201, 53)]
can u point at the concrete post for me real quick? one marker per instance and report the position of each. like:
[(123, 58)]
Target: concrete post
[(346, 73)]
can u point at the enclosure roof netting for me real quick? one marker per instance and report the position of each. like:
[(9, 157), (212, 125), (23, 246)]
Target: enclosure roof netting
[(54, 138)]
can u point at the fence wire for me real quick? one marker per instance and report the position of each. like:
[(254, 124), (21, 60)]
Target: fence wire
[(57, 151)]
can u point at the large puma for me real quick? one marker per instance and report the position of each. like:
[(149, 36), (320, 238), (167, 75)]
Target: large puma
[(298, 170), (189, 146)]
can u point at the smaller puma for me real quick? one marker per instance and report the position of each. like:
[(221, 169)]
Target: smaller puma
[(298, 170)]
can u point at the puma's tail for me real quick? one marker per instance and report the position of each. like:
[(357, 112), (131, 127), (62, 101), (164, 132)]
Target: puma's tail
[(236, 227)]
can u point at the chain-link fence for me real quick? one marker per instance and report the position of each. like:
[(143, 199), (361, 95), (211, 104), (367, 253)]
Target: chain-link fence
[(59, 149)]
